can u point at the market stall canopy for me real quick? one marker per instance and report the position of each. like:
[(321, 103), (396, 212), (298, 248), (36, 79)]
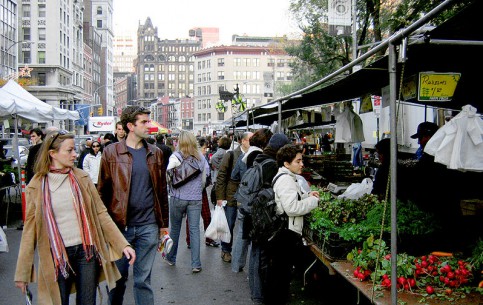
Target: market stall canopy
[(157, 128), (425, 53), (17, 100)]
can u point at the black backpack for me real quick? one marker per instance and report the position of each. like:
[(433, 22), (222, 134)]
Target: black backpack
[(266, 223), (250, 185)]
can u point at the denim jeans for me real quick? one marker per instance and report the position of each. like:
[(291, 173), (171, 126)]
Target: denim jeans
[(177, 209), (254, 279), (240, 247), (144, 239), (230, 213), (84, 277)]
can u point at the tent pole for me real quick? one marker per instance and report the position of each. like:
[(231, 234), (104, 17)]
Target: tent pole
[(392, 68), (279, 127), (15, 147)]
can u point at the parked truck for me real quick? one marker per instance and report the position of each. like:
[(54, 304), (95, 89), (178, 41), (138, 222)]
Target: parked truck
[(102, 124)]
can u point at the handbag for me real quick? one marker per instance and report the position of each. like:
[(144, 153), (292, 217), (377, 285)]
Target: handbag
[(185, 172)]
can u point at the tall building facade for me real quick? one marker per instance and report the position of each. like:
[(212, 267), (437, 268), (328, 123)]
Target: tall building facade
[(9, 42), (99, 15), (256, 70), (164, 67), (124, 53), (55, 53)]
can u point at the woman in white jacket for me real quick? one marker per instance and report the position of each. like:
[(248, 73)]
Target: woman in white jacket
[(92, 162), (286, 247)]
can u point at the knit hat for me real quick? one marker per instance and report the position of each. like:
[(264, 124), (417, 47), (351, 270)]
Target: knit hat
[(278, 140)]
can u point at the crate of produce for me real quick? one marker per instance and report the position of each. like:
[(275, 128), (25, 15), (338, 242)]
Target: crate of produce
[(471, 207), (334, 247)]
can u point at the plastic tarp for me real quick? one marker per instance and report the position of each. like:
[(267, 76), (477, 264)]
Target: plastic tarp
[(16, 100)]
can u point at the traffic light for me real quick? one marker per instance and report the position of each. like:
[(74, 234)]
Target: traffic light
[(99, 110)]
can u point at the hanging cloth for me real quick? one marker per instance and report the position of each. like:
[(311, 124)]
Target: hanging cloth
[(459, 143), (348, 127)]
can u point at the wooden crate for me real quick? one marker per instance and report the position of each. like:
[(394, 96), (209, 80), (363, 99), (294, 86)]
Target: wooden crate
[(471, 207)]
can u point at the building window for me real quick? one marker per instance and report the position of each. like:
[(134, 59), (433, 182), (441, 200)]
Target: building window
[(221, 116), (237, 62), (161, 76), (99, 10), (246, 62), (26, 57), (41, 57), (256, 62), (26, 34), (41, 10), (281, 63), (42, 79), (279, 75), (199, 117), (42, 34), (271, 62), (221, 62), (99, 24), (182, 68), (26, 10), (221, 75)]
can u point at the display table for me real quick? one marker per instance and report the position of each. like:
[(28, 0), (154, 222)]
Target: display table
[(383, 297)]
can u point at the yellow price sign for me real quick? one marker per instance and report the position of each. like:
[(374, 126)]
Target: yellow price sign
[(437, 86)]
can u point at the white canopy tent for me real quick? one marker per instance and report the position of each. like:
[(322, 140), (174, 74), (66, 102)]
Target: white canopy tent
[(17, 102)]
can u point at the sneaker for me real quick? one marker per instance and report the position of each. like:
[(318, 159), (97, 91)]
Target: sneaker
[(212, 243), (168, 261), (226, 257), (188, 246), (196, 270)]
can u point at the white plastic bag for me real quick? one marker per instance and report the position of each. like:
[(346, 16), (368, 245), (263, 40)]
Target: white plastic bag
[(357, 190), (3, 241), (218, 228)]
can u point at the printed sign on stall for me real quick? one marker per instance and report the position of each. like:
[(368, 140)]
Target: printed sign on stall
[(438, 87)]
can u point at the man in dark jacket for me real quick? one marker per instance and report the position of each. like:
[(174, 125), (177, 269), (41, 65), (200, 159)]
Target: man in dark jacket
[(164, 148), (226, 188), (132, 185)]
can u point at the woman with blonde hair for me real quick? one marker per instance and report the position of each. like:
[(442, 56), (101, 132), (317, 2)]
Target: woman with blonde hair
[(187, 198), (76, 239)]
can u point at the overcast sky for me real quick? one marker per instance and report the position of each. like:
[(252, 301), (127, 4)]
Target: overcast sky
[(174, 18)]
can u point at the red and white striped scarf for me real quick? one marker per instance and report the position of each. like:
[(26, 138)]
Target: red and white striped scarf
[(61, 260)]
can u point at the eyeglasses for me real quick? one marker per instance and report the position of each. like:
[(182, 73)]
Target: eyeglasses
[(55, 136)]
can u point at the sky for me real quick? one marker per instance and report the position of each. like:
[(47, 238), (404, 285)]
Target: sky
[(174, 18)]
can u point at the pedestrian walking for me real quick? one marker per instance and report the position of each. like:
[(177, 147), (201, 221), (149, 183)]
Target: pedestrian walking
[(187, 198), (69, 226), (92, 162), (132, 184)]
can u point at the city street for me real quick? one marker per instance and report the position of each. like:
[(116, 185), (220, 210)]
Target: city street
[(216, 284)]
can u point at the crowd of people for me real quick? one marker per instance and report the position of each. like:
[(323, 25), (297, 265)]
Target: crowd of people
[(125, 198)]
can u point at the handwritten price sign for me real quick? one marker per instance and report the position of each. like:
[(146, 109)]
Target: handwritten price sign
[(437, 86)]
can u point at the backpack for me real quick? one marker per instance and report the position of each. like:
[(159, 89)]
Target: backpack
[(266, 223), (250, 185)]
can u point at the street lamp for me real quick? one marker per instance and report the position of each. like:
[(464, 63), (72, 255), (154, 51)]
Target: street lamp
[(96, 93), (5, 55)]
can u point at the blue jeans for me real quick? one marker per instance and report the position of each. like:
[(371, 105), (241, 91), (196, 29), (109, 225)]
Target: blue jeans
[(254, 279), (230, 213), (240, 249), (144, 239), (84, 276), (177, 209)]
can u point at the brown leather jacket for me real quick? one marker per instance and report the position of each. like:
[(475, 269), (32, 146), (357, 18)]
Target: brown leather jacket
[(225, 186), (115, 180)]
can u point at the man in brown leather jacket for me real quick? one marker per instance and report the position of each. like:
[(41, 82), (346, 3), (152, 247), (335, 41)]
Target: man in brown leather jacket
[(132, 185)]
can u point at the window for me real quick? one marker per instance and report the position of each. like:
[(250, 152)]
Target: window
[(199, 117), (256, 62), (199, 65), (289, 76), (99, 24), (41, 34), (279, 75), (246, 62), (41, 10), (221, 116), (161, 76), (99, 10), (26, 34), (208, 76), (26, 10), (41, 57), (281, 63), (182, 68), (271, 62), (237, 62), (221, 75), (42, 79), (26, 57), (172, 68), (221, 62)]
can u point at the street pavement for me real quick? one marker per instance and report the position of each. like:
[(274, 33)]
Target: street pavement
[(215, 284)]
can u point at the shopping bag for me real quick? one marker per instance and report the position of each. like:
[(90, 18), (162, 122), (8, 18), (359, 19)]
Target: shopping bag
[(218, 228), (3, 241), (357, 190)]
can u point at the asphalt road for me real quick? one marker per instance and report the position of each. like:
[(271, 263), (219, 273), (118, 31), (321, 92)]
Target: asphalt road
[(216, 284)]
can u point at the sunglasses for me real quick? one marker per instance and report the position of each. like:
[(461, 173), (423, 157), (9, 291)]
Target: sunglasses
[(55, 136), (96, 146)]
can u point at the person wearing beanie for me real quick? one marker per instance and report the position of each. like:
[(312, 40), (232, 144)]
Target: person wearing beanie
[(278, 140)]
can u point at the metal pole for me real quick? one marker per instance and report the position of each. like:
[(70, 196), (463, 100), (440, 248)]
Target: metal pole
[(393, 172), (354, 29), (279, 127)]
